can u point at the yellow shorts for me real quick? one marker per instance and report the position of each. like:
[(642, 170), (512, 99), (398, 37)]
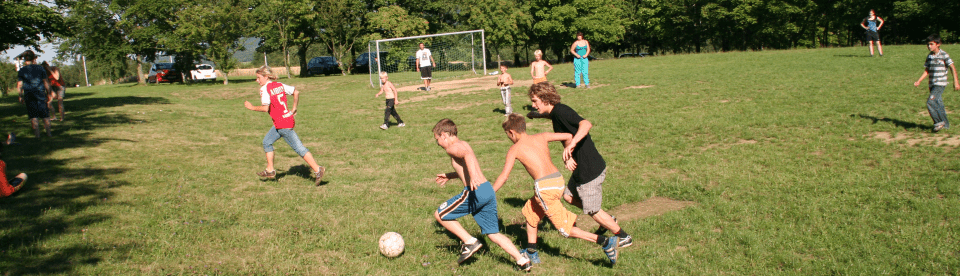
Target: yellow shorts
[(547, 201), (539, 80)]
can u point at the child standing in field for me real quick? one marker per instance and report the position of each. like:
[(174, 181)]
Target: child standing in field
[(477, 198), (34, 86), (936, 68), (537, 68), (273, 97), (585, 189), (533, 153), (504, 82), (392, 100)]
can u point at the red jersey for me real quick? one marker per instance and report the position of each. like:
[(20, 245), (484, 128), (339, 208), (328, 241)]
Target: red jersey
[(275, 94)]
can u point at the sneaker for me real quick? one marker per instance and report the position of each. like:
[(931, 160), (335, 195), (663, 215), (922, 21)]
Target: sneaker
[(588, 86), (611, 249), (534, 256), (402, 125), (319, 175), (383, 126), (467, 250), (625, 242), (938, 127), (267, 174), (524, 264)]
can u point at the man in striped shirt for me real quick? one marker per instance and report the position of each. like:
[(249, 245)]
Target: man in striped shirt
[(936, 68)]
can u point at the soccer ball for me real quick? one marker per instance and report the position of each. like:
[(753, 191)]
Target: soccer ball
[(391, 244)]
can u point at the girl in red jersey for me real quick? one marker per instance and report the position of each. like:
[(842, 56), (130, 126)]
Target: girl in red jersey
[(273, 97)]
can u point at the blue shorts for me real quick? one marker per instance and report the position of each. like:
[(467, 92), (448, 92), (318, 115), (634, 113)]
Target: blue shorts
[(37, 109), (482, 204)]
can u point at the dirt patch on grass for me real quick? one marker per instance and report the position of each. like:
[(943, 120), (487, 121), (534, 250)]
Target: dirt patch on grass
[(469, 86), (918, 139), (639, 87), (654, 206)]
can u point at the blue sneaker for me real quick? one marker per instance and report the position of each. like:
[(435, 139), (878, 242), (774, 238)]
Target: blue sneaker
[(611, 249), (534, 256)]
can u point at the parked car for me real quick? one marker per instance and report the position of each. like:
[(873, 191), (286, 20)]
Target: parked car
[(627, 55), (163, 72), (362, 63), (323, 65), (203, 72)]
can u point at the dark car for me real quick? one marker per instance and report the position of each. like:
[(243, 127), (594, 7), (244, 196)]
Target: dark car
[(362, 63), (627, 55), (323, 65), (163, 72)]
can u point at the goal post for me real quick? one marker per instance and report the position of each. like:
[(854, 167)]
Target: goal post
[(456, 54)]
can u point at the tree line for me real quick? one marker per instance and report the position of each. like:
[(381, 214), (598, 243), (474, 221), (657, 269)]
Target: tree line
[(115, 33)]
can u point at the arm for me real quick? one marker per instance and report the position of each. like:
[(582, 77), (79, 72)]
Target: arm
[(863, 24), (881, 23), (533, 70), (46, 87), (262, 108), (418, 62), (296, 99), (507, 167), (535, 115), (396, 94), (956, 82), (442, 178), (381, 91), (433, 62), (925, 74), (584, 129), (509, 80), (572, 49), (549, 68), (588, 49), (470, 164)]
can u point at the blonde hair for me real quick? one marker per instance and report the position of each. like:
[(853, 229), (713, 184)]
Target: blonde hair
[(266, 71), (545, 92), (383, 74), (538, 52), (515, 122)]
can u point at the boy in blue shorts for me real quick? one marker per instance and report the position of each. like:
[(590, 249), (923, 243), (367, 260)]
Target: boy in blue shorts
[(477, 197), (936, 67)]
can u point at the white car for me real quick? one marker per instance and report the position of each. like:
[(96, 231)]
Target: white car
[(203, 72)]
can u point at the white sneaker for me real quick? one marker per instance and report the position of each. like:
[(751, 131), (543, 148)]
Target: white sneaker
[(402, 125), (383, 126)]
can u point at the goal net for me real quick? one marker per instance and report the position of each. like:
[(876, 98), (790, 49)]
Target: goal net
[(456, 54)]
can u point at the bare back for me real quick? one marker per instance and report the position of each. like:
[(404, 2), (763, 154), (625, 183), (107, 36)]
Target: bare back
[(465, 163), (534, 154)]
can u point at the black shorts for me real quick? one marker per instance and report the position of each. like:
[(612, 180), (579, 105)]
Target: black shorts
[(426, 72), (873, 36), (37, 109)]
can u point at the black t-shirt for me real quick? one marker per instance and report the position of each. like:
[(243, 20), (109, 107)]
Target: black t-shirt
[(589, 162), (32, 77)]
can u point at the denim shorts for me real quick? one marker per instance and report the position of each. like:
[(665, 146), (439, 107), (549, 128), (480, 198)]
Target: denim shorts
[(288, 135)]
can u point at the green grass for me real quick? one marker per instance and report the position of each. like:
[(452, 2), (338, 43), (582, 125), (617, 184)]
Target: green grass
[(777, 148)]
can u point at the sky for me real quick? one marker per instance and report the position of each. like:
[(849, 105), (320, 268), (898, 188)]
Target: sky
[(49, 53)]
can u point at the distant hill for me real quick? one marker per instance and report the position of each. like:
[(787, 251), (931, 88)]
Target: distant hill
[(247, 54)]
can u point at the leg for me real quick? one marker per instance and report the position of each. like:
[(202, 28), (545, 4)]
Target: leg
[(393, 112), (35, 124), (506, 100), (935, 106), (871, 48), (506, 244), (879, 48), (46, 125), (577, 70), (386, 112), (586, 72), (454, 227), (60, 101), (270, 162), (311, 162), (268, 140), (294, 141)]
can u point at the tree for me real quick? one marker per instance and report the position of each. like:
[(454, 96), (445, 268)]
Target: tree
[(282, 24), (556, 22), (505, 23), (341, 26), (25, 23), (214, 28)]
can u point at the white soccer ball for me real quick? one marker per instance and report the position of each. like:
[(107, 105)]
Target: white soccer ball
[(391, 244)]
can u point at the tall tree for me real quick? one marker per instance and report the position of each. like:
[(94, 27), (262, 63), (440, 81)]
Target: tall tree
[(25, 23), (506, 23), (280, 24), (342, 26), (557, 21), (213, 28)]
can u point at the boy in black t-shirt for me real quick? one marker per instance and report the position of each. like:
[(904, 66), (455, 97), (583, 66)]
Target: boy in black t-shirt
[(585, 188)]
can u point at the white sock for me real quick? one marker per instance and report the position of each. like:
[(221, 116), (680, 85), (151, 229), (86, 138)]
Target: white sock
[(472, 240)]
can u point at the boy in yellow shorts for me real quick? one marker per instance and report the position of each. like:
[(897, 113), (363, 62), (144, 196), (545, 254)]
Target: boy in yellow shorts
[(533, 153)]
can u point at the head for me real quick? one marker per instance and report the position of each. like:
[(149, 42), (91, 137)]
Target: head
[(265, 74), (443, 131), (538, 54), (872, 12), (543, 96), (45, 65), (503, 68), (933, 43), (28, 56), (383, 77), (421, 46), (514, 125), (579, 35)]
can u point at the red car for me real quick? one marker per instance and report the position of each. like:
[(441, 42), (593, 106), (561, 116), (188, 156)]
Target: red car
[(163, 72)]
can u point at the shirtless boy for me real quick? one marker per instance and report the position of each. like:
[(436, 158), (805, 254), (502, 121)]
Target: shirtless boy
[(536, 68)]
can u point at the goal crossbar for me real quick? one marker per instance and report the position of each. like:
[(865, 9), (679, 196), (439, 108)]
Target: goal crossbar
[(375, 49)]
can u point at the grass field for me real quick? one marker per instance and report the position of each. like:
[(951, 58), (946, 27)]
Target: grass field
[(801, 162)]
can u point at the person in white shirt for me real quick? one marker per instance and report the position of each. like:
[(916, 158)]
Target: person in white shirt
[(425, 66)]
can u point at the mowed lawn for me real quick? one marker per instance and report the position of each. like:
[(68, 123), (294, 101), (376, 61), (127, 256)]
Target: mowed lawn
[(802, 162)]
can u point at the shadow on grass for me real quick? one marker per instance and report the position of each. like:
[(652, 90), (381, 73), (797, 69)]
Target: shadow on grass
[(43, 227), (854, 56), (302, 171), (895, 122)]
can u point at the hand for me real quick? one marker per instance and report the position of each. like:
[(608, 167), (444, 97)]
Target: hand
[(441, 179), (916, 84), (474, 184), (570, 164), (568, 151), (418, 68), (396, 103), (293, 112), (956, 86), (376, 96)]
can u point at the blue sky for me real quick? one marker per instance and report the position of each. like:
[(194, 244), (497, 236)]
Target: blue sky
[(49, 53)]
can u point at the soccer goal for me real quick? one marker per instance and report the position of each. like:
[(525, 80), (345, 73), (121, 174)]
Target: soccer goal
[(456, 54)]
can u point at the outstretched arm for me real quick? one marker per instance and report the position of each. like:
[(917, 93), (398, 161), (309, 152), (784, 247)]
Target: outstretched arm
[(925, 74), (507, 167), (956, 82), (262, 108)]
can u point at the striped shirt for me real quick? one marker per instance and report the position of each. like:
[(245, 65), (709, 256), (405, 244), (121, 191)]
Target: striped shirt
[(936, 66)]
